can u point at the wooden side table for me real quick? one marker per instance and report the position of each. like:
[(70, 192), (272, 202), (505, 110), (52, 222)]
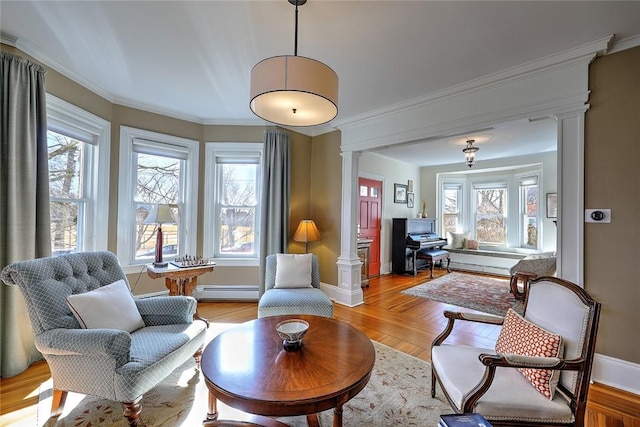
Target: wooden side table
[(180, 280)]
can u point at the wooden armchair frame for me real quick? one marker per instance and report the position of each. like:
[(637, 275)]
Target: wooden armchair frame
[(582, 365)]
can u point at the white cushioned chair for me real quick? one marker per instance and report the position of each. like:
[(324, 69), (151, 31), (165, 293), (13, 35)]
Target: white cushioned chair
[(487, 382), (294, 299), (109, 363)]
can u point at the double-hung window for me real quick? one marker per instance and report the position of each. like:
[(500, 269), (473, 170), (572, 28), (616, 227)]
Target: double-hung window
[(490, 215), (78, 149), (156, 169), (529, 212), (232, 202), (452, 207)]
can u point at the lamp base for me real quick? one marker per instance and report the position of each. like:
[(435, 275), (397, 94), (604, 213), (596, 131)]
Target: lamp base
[(160, 264)]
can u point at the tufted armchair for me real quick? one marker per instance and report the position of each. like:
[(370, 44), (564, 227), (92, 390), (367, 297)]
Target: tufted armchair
[(109, 363), (538, 373), (294, 300)]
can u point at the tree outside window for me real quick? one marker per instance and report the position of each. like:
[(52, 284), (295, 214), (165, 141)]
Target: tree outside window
[(157, 181), (237, 207), (491, 214), (66, 192), (451, 210), (529, 212)]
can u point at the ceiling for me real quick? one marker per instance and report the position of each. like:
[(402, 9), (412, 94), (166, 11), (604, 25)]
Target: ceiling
[(192, 59)]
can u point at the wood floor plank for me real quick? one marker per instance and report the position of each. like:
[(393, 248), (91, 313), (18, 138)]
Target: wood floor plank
[(406, 323)]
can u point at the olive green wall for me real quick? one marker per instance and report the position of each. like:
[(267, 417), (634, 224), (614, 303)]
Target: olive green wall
[(326, 202), (612, 180), (118, 115)]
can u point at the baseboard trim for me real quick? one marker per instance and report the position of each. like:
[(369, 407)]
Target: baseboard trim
[(617, 373), (227, 292)]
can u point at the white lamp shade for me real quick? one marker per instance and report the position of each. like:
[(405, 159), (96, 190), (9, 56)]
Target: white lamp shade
[(294, 91), (160, 214)]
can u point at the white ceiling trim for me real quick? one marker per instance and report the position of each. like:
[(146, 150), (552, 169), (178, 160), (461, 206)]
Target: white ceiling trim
[(32, 51), (528, 69), (624, 44)]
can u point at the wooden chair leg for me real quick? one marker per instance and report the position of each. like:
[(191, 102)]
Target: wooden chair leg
[(433, 383), (197, 356), (132, 411), (57, 405)]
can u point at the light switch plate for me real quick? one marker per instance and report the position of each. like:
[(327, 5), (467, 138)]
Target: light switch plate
[(605, 219)]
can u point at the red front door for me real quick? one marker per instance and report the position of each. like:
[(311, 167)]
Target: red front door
[(370, 211)]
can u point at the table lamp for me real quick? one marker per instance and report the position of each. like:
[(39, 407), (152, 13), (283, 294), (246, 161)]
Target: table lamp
[(160, 214), (306, 232)]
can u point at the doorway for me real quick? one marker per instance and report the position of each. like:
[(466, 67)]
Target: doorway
[(369, 219)]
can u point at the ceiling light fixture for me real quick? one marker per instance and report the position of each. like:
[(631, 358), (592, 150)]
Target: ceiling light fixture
[(470, 152), (294, 90)]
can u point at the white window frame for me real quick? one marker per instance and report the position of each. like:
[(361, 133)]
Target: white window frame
[(499, 183), (523, 180), (70, 120), (210, 229), (452, 185), (188, 204)]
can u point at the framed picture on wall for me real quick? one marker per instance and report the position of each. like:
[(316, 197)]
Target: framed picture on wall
[(399, 193), (410, 200), (410, 186), (552, 205)]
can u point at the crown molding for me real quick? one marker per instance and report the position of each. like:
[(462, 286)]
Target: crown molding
[(8, 39), (562, 59), (36, 54), (624, 44)]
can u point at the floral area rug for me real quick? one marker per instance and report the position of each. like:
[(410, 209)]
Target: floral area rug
[(486, 294), (398, 394)]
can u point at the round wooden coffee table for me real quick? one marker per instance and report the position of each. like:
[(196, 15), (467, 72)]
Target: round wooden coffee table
[(247, 368)]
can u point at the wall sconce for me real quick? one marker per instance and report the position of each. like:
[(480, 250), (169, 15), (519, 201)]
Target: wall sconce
[(306, 232)]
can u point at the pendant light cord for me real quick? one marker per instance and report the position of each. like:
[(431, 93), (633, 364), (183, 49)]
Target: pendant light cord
[(295, 47)]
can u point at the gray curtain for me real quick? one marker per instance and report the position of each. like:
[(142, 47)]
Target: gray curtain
[(24, 199), (276, 185)]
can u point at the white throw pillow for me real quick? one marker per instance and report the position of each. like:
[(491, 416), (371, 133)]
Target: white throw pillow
[(293, 271), (458, 240), (108, 307)]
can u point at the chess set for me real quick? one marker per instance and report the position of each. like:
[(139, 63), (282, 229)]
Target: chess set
[(191, 261)]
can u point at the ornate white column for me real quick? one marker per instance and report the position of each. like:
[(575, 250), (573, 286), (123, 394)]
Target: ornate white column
[(570, 241), (349, 291)]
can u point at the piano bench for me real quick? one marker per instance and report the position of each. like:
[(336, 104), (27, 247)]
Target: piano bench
[(432, 256)]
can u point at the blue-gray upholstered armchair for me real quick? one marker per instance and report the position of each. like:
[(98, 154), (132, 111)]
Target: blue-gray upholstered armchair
[(280, 302), (108, 363)]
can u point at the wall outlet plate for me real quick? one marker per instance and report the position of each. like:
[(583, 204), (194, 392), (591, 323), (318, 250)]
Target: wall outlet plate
[(593, 215)]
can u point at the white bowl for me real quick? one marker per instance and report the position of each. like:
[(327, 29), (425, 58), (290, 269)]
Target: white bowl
[(292, 330)]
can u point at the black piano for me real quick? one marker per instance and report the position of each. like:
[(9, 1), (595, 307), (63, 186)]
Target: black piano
[(410, 235)]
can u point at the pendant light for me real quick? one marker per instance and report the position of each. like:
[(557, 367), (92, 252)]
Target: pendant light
[(470, 152), (294, 90)]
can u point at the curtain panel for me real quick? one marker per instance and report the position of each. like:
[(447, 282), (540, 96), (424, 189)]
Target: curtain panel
[(276, 189), (24, 199)]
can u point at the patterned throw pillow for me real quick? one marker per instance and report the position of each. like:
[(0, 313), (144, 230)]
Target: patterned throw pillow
[(519, 336)]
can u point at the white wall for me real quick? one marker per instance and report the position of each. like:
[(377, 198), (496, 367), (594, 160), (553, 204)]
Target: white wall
[(390, 172), (429, 190)]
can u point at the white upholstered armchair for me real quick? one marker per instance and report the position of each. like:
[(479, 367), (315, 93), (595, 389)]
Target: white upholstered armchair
[(538, 373), (110, 363)]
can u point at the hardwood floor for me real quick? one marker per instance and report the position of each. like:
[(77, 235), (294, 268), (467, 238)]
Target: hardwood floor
[(403, 322)]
